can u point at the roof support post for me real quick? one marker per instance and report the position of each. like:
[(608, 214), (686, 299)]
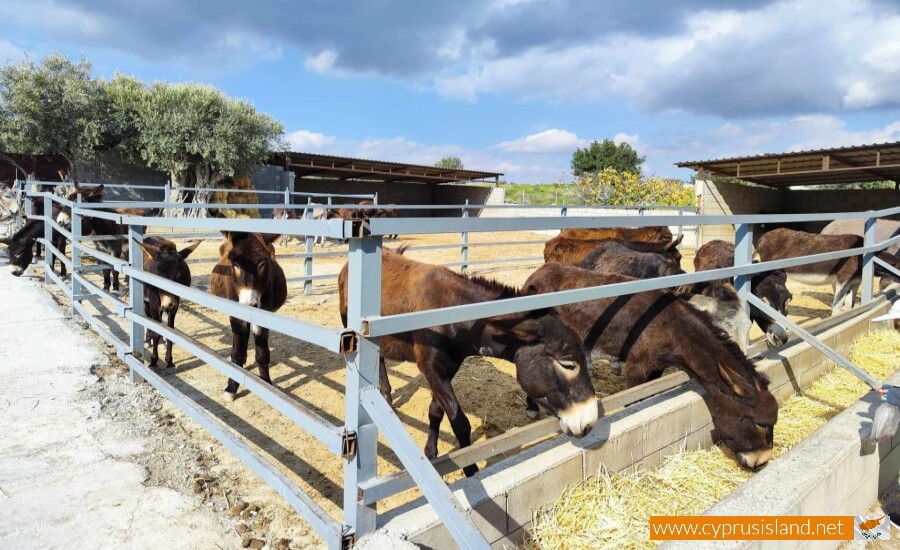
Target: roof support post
[(868, 269), (743, 256)]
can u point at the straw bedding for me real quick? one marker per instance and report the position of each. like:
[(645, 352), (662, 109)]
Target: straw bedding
[(612, 510)]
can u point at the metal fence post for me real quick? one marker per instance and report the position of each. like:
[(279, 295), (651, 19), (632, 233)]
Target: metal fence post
[(308, 260), (168, 196), (464, 246), (743, 256), (287, 195), (364, 291), (868, 259), (75, 229), (136, 296), (48, 241)]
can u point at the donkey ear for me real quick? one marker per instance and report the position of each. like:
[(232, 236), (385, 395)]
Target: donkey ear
[(731, 378), (523, 326), (269, 237), (674, 243), (149, 249), (186, 251), (5, 240)]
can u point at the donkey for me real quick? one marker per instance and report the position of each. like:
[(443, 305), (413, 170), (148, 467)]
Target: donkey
[(844, 275), (20, 246), (574, 251), (286, 214), (636, 234), (720, 300), (99, 226), (884, 230), (770, 287), (247, 272), (164, 259), (653, 330), (551, 365)]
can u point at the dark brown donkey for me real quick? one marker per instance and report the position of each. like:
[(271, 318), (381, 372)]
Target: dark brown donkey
[(99, 226), (164, 259), (636, 234), (770, 287), (843, 275), (574, 251), (247, 272), (550, 363), (719, 299), (654, 330)]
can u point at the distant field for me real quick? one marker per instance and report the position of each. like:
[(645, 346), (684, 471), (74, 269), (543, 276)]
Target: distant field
[(542, 193)]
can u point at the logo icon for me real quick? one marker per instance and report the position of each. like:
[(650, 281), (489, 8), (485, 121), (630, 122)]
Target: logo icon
[(871, 528)]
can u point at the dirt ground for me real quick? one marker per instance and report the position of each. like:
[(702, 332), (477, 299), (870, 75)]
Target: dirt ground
[(486, 387)]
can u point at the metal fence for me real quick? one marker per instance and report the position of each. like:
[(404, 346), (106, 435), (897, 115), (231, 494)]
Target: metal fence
[(367, 413)]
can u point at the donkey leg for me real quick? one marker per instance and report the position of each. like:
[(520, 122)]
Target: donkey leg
[(384, 384), (170, 321), (462, 429), (240, 337), (531, 408), (435, 417), (261, 343), (106, 280)]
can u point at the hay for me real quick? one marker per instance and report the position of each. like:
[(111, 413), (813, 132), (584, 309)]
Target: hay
[(222, 196), (612, 510)]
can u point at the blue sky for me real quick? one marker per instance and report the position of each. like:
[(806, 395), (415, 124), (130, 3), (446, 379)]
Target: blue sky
[(509, 85)]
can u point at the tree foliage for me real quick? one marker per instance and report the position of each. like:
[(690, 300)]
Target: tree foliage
[(449, 163), (599, 156), (51, 107), (615, 188)]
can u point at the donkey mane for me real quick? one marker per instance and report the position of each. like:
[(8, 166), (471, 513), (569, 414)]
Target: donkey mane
[(30, 230), (730, 346), (501, 290)]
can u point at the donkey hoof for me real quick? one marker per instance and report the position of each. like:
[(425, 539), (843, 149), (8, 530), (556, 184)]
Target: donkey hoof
[(170, 365), (228, 396), (532, 414), (153, 363)]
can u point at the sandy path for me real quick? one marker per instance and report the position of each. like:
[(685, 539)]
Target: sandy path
[(68, 473)]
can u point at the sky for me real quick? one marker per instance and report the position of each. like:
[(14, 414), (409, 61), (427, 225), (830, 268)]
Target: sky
[(512, 86)]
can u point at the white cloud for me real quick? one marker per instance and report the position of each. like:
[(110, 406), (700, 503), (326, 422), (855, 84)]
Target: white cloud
[(789, 56), (304, 140), (322, 62), (548, 141)]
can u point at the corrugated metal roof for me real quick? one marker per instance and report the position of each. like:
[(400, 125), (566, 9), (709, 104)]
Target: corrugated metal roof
[(313, 164), (832, 166)]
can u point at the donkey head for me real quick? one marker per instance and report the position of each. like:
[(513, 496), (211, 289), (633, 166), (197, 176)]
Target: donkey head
[(551, 366)]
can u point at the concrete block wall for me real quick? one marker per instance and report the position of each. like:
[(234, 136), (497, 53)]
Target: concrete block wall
[(838, 200), (109, 168), (726, 198), (270, 178)]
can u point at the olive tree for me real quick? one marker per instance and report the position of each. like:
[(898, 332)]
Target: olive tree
[(51, 107), (449, 163), (196, 133)]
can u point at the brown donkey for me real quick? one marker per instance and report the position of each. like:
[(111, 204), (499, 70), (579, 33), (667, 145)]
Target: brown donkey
[(551, 365), (574, 251), (636, 234), (653, 330), (247, 272), (164, 259)]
